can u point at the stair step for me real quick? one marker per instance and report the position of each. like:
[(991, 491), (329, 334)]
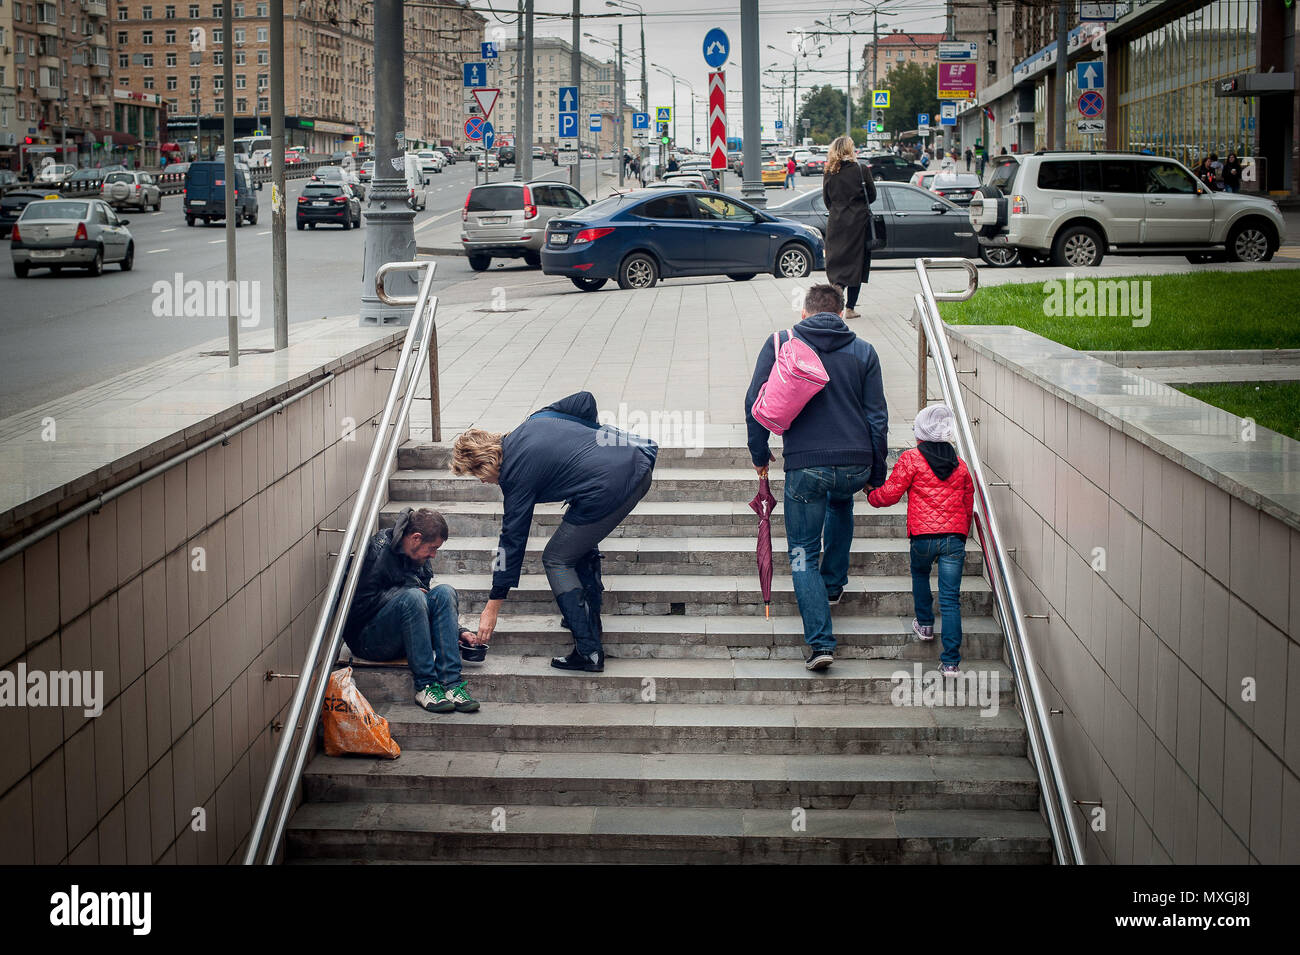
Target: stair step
[(437, 457), (504, 678), (412, 832), (673, 779), (852, 729), (705, 556), (696, 595), (677, 519), (628, 636)]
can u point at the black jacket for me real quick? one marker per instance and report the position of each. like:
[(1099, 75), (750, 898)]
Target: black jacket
[(553, 457), (847, 422), (848, 223), (386, 571)]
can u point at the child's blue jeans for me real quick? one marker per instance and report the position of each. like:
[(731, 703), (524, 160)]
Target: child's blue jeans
[(950, 552)]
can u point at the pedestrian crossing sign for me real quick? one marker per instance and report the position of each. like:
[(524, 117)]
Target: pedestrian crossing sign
[(880, 99), (663, 114)]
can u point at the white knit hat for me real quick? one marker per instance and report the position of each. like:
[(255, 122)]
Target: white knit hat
[(934, 423)]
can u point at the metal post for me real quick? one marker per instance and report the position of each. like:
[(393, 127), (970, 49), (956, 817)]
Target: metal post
[(527, 68), (575, 68), (875, 56), (1062, 42), (228, 83), (620, 82), (279, 245), (751, 82), (645, 97), (848, 94), (951, 34), (521, 147), (796, 92), (391, 236)]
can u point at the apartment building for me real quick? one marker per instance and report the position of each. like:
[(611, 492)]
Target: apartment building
[(892, 50), (552, 68)]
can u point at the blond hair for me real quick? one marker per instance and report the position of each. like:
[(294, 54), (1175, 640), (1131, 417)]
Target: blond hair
[(841, 151), (477, 452)]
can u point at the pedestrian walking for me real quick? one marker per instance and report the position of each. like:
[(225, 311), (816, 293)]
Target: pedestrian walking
[(790, 168), (940, 500), (561, 453), (1232, 172), (849, 193), (835, 446), (969, 156)]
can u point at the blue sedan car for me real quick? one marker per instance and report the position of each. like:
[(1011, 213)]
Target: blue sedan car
[(640, 237)]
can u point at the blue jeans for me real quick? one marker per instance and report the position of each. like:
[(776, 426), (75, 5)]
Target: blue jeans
[(789, 180), (819, 532), (423, 626), (950, 552)]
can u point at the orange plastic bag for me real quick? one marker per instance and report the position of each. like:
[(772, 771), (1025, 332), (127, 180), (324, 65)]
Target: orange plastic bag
[(352, 728)]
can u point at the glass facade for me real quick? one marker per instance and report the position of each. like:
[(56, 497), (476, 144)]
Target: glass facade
[(1167, 102)]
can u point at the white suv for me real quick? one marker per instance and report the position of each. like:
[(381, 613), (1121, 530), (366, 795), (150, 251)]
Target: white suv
[(1074, 207)]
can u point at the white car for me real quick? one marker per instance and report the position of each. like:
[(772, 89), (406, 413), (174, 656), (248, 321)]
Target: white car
[(55, 172), (489, 161), (431, 160)]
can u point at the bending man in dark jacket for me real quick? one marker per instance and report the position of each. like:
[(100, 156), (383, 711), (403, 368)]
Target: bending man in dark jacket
[(835, 447), (396, 611), (560, 453)]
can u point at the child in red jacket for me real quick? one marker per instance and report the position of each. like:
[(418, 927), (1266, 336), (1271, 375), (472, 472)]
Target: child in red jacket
[(940, 498)]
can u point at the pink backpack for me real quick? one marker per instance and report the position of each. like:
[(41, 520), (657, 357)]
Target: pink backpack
[(797, 375)]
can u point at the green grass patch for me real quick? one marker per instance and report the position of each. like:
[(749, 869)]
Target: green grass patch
[(1200, 310), (1272, 404)]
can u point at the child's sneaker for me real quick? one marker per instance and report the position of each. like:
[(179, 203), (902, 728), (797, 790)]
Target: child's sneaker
[(950, 669), (834, 598), (922, 633), (434, 699), (460, 699)]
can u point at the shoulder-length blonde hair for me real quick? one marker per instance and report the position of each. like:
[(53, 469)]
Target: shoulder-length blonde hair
[(841, 151), (477, 452)]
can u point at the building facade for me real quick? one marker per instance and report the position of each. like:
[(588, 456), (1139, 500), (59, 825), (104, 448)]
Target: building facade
[(892, 50), (552, 68)]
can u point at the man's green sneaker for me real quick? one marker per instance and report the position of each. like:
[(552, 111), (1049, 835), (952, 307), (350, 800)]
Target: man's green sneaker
[(458, 696), (434, 699)]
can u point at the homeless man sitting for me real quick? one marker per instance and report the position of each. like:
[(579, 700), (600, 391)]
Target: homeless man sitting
[(395, 611)]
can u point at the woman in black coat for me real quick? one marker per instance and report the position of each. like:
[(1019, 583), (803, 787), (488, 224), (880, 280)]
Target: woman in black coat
[(847, 190)]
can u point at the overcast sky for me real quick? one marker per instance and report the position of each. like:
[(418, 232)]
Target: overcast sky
[(674, 38)]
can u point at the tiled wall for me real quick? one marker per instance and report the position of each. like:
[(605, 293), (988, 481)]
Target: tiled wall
[(1147, 657), (188, 716)]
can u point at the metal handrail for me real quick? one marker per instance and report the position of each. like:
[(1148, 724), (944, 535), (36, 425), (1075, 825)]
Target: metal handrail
[(302, 718), (1066, 837)]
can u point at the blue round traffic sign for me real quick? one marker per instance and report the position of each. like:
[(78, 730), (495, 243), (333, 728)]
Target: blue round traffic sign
[(489, 135), (474, 127), (1091, 104), (716, 48)]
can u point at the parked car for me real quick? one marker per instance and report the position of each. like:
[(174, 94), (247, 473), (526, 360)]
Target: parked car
[(138, 189), (1077, 206), (506, 155), (890, 168), (431, 161), (55, 172), (78, 233), (956, 187), (912, 221), (15, 201), (507, 220), (328, 202), (489, 160), (205, 194), (637, 238), (336, 175)]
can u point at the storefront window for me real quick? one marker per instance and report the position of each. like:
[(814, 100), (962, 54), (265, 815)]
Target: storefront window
[(1166, 81)]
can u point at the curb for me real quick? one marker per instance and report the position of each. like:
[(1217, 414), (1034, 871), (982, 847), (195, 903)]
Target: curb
[(438, 250)]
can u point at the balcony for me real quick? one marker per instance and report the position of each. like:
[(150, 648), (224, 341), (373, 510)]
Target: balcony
[(99, 70), (51, 61), (47, 29), (100, 100), (96, 8), (98, 40), (47, 93)]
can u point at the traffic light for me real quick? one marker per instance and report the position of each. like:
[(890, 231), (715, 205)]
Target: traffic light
[(27, 140)]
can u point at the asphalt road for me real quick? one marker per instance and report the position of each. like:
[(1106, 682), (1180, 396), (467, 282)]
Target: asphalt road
[(65, 332)]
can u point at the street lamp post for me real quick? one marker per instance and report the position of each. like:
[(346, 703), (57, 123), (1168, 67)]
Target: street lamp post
[(795, 56)]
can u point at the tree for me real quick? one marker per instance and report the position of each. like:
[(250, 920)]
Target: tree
[(913, 89), (824, 106)]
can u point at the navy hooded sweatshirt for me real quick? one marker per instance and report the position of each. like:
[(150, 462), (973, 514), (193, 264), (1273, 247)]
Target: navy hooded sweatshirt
[(553, 457), (847, 422)]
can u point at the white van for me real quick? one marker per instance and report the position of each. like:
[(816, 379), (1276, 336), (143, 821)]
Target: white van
[(415, 182)]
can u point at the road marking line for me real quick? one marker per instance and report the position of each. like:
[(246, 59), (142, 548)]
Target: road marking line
[(429, 222), (216, 242), (156, 251), (173, 229), (267, 232)]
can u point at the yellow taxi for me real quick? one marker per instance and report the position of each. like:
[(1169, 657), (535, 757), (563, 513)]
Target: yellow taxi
[(773, 170)]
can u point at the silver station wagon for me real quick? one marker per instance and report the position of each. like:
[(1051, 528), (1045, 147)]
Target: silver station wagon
[(70, 233)]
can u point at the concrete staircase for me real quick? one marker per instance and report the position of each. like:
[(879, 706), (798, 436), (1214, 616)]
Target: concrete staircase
[(705, 739)]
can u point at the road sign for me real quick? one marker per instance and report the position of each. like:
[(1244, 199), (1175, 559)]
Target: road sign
[(568, 99), (779, 124), (718, 120), (923, 120), (356, 140), (1091, 104), (474, 127), (486, 99), (1091, 126), (947, 114), (1103, 12), (956, 81), (568, 126), (641, 121), (880, 99), (1090, 75), (475, 74), (489, 51), (593, 122), (958, 50), (567, 157), (663, 114), (716, 48), (489, 136), (875, 127)]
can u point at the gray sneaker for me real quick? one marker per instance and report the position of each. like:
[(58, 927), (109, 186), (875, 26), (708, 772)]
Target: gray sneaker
[(820, 660), (922, 633)]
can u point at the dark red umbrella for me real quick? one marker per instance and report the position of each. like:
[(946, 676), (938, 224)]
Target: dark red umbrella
[(762, 505)]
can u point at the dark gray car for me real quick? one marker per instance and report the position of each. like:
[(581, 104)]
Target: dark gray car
[(914, 222)]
